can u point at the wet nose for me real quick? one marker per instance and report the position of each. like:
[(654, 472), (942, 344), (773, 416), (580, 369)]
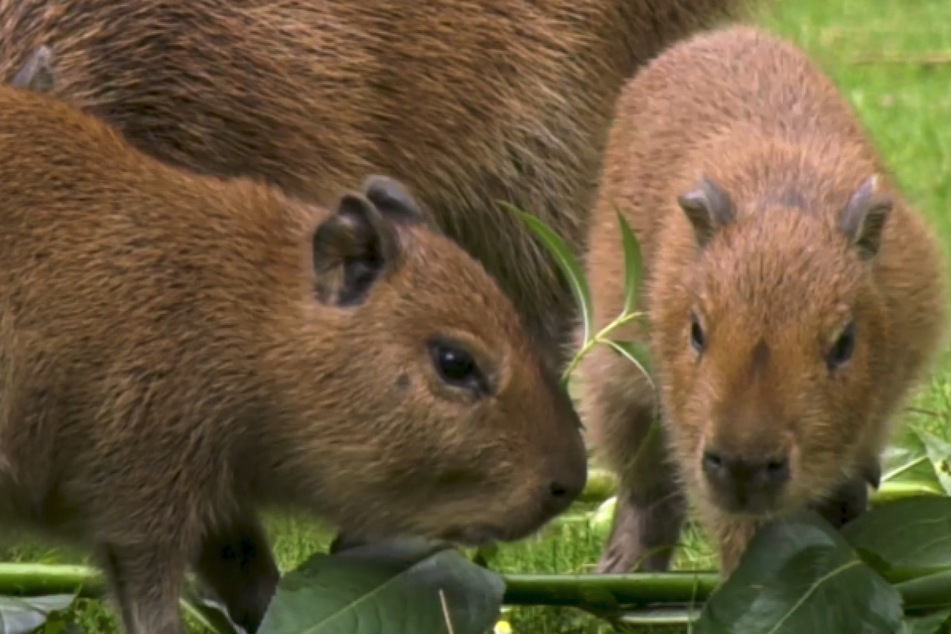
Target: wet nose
[(561, 493), (568, 480), (745, 480)]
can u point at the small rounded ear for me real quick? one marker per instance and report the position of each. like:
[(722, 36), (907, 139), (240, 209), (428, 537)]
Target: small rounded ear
[(863, 218), (352, 250), (37, 72), (393, 199), (708, 208)]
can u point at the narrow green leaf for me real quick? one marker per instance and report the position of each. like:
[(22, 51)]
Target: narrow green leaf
[(21, 615), (799, 575), (407, 586), (633, 265), (636, 353), (569, 264), (909, 533)]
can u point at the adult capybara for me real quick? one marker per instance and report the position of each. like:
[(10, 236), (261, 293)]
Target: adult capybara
[(470, 102), (177, 350), (793, 297)]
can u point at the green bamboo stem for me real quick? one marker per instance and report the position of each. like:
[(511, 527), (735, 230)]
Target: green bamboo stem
[(595, 591), (32, 579)]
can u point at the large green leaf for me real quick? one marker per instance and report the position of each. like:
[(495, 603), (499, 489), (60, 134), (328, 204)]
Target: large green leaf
[(799, 575), (406, 586), (568, 263), (20, 615), (914, 533)]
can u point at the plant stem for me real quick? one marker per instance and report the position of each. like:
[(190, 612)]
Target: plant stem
[(594, 591), (30, 579), (597, 339), (607, 593)]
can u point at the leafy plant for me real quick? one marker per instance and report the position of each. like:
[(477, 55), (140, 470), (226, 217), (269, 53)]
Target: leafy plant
[(634, 351)]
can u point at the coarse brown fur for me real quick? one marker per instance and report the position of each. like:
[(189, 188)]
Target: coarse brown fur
[(470, 102), (177, 350), (765, 215)]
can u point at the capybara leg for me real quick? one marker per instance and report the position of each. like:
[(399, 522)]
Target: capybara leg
[(644, 533), (236, 561), (650, 507), (146, 582)]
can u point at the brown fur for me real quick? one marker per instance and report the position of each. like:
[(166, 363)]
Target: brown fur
[(470, 102), (773, 286), (176, 350)]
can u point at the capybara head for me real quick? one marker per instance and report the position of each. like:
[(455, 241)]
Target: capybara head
[(447, 422), (773, 357)]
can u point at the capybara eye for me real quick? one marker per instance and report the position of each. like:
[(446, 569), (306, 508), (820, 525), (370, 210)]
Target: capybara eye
[(697, 337), (456, 366), (842, 348)]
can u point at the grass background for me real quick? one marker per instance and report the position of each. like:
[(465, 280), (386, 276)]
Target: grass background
[(886, 55)]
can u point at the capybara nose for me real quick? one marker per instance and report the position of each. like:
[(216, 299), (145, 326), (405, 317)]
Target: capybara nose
[(745, 482), (568, 482), (560, 495)]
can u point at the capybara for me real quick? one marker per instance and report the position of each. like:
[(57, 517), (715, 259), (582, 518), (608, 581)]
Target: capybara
[(470, 102), (793, 298), (178, 350)]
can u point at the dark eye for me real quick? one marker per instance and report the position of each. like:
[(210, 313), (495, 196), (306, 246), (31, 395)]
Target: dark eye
[(456, 366), (842, 348), (697, 337)]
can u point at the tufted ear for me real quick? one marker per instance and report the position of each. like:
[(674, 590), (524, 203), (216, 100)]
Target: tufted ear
[(863, 218), (353, 249), (708, 208), (393, 199), (37, 73)]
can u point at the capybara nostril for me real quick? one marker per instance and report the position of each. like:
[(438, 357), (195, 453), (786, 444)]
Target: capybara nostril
[(744, 482)]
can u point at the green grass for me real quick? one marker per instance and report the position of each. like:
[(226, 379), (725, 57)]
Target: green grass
[(903, 103)]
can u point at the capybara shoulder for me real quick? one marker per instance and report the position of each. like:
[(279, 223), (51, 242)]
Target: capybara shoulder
[(176, 349), (794, 297), (470, 103)]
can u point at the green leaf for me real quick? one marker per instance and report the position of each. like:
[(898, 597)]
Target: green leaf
[(928, 592), (569, 264), (636, 353), (799, 575), (939, 452), (406, 586), (633, 265), (911, 533), (20, 615), (936, 623)]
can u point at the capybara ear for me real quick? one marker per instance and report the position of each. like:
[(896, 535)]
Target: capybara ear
[(393, 199), (37, 72), (863, 218), (352, 250), (708, 208)]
